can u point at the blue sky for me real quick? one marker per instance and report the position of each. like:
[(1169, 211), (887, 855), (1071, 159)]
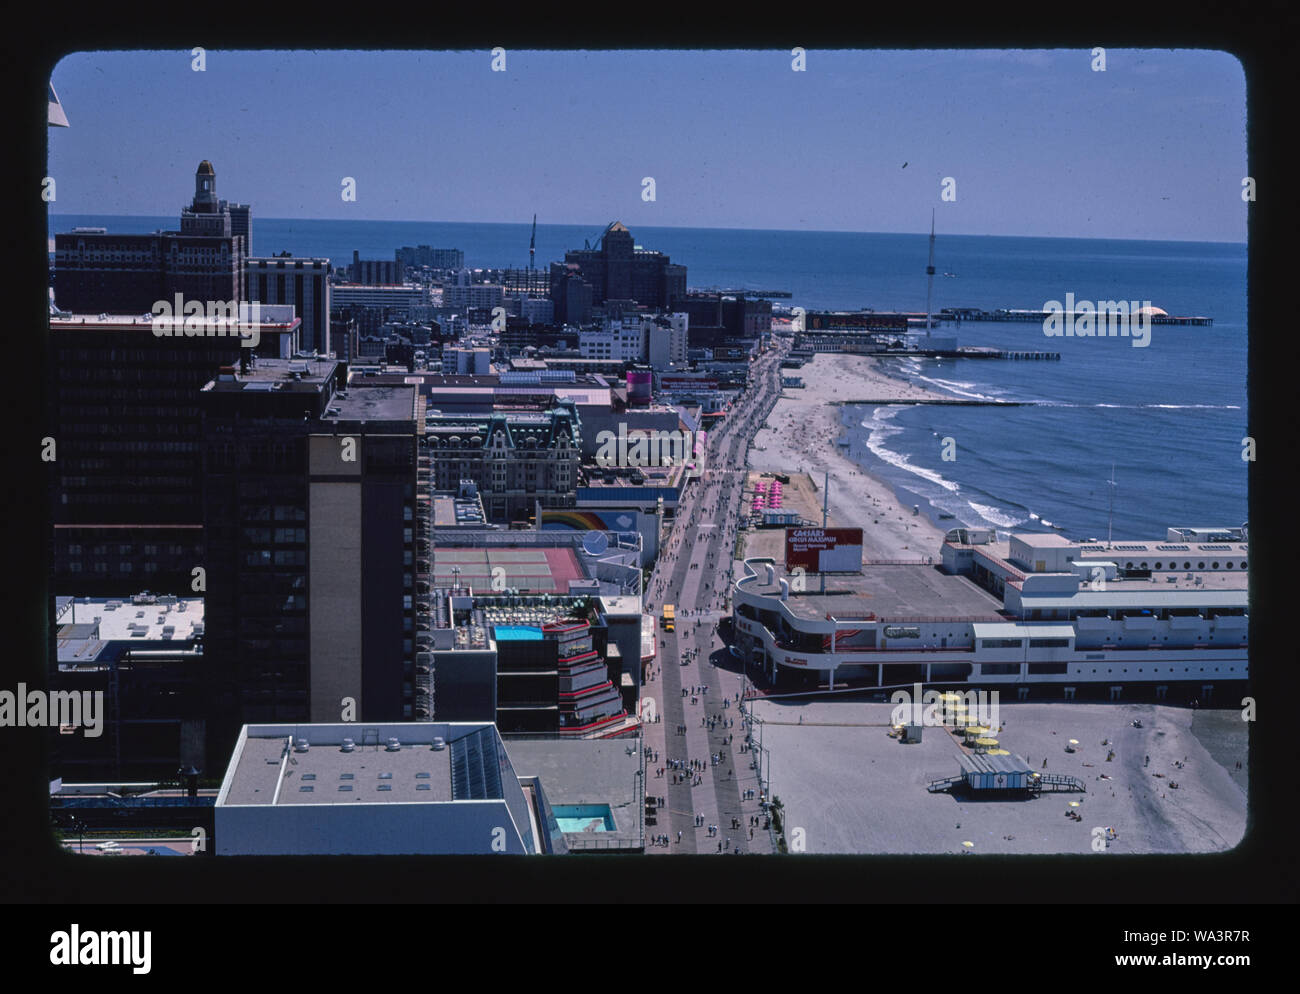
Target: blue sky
[(1038, 143)]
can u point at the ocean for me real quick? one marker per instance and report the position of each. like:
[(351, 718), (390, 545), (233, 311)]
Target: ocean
[(1170, 417)]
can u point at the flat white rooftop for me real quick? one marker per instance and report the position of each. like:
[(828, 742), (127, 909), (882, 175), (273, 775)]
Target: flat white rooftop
[(119, 618), (621, 605), (269, 767)]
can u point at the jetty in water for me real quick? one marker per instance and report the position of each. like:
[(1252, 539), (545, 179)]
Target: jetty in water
[(957, 315)]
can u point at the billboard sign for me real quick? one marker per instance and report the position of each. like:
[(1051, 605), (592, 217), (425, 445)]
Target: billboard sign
[(824, 550)]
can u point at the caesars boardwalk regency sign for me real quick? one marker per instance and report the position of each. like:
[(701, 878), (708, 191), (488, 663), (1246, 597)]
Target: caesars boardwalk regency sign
[(824, 550)]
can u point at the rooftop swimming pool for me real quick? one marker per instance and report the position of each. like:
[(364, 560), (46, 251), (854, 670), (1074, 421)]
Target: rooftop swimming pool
[(584, 817), (519, 633)]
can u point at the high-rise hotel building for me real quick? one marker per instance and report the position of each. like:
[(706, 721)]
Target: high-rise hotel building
[(309, 511), (619, 270), (96, 272), (302, 283)]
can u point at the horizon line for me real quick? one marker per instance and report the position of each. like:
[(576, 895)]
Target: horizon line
[(679, 227)]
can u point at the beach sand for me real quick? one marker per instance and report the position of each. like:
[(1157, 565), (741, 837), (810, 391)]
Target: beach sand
[(854, 790), (801, 435)]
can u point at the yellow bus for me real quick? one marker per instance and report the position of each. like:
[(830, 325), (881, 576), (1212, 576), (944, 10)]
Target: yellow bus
[(669, 617)]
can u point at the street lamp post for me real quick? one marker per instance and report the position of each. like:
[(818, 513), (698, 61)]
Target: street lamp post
[(638, 794)]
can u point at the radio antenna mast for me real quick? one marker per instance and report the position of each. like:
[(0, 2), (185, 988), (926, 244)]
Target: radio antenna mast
[(929, 276), (1110, 517)]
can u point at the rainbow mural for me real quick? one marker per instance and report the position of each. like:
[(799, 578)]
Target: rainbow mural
[(605, 521)]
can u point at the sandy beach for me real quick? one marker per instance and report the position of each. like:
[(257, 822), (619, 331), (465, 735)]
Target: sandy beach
[(801, 435), (854, 790)]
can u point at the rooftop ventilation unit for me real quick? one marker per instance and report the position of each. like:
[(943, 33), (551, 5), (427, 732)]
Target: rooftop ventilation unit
[(393, 745), (348, 745), (439, 743), (301, 745)]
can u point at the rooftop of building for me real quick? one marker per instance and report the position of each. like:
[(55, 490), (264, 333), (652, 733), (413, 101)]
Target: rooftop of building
[(502, 615), (442, 423), (281, 260), (583, 772), (270, 769), (1175, 566), (451, 511), (904, 591), (595, 475), (372, 403), (413, 287), (291, 375), (621, 605), (268, 323), (498, 568), (86, 627), (363, 369)]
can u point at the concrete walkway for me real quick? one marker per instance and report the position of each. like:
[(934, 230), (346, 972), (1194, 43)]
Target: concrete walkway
[(691, 575)]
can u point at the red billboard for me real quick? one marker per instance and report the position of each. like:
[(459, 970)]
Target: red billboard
[(823, 550)]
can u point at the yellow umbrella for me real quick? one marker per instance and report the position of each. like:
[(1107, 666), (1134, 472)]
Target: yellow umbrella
[(1074, 804), (999, 752), (1074, 742), (986, 742), (949, 696), (969, 845)]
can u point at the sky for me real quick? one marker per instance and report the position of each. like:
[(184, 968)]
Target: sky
[(1038, 143)]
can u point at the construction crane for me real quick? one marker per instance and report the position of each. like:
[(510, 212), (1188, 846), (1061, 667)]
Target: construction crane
[(532, 244)]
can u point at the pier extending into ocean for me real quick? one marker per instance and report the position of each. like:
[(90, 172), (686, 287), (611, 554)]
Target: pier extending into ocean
[(965, 352), (960, 314), (982, 352), (738, 292)]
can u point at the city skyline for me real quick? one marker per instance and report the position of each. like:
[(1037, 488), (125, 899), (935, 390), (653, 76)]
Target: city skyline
[(1182, 114)]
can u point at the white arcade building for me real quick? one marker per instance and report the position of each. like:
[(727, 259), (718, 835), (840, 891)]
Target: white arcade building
[(1030, 610)]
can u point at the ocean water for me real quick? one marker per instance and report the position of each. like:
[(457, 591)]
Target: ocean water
[(1170, 417)]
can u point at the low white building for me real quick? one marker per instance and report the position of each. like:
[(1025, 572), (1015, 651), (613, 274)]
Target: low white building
[(1032, 608), (428, 788), (667, 340)]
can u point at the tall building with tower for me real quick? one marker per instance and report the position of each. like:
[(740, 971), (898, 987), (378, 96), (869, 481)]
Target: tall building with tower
[(618, 270), (96, 272), (209, 215)]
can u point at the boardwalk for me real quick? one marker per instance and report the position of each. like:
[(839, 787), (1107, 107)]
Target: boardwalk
[(692, 574)]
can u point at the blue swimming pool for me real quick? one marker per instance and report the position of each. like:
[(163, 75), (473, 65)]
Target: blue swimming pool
[(584, 817), (518, 633)]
